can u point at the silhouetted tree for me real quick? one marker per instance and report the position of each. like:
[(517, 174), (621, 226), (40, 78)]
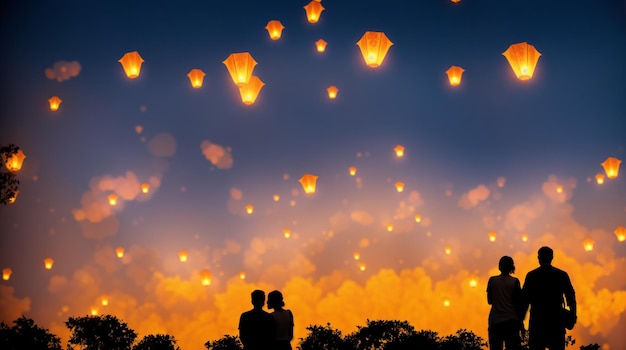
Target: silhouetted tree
[(323, 338), (594, 346), (228, 342), (104, 332), (9, 184), (422, 340), (27, 335), (157, 342), (376, 334), (462, 340)]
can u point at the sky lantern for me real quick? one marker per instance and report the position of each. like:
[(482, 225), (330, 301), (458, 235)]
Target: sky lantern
[(250, 91), (455, 1), (399, 186), (454, 75), (523, 58), (389, 227), (54, 102), (559, 188), (145, 187), (332, 92), (196, 77), (320, 45), (240, 66), (524, 237), (13, 198), (356, 255), (242, 275), (588, 244), (287, 233), (308, 183), (249, 208), (104, 300), (131, 62), (399, 149), (352, 171), (112, 199), (206, 277), (276, 197), (418, 218), (620, 233), (362, 266), (473, 282), (374, 47), (47, 263), (313, 11), (182, 255), (492, 236), (446, 302), (14, 161), (6, 273), (447, 250), (275, 29), (94, 311), (600, 178), (119, 251), (611, 167)]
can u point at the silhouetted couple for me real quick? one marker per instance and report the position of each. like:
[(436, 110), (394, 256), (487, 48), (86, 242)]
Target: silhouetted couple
[(261, 330), (543, 292)]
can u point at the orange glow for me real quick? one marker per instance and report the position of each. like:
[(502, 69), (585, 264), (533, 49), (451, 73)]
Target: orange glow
[(523, 58), (287, 233), (588, 244), (313, 11), (249, 208), (448, 250), (399, 149), (454, 75), (389, 227), (206, 277), (119, 251), (332, 92), (321, 45), (600, 178), (362, 266), (250, 91), (473, 282), (524, 237), (276, 198), (399, 186), (352, 171), (356, 255), (131, 62), (446, 302), (112, 199), (620, 233), (196, 77), (47, 263), (94, 311), (418, 218), (182, 255), (104, 300), (145, 187), (274, 29), (240, 66), (13, 198), (374, 47), (611, 167), (242, 275), (492, 236), (455, 1), (55, 103), (15, 161), (6, 273), (559, 188), (308, 183)]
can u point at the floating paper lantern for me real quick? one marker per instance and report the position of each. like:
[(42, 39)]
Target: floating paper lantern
[(620, 233), (308, 183), (399, 186), (524, 237), (14, 161), (559, 188), (112, 199), (611, 167), (242, 275), (446, 302), (276, 197), (454, 75), (399, 149), (320, 45), (389, 227), (287, 233), (492, 236), (206, 277), (131, 62), (94, 311), (352, 171), (418, 218), (119, 251), (523, 58), (362, 266), (13, 198), (47, 263), (182, 255), (374, 47), (356, 255), (588, 244), (447, 250), (104, 300), (473, 282), (240, 66), (313, 11), (196, 77), (275, 29), (249, 208), (145, 187), (600, 178), (6, 273), (250, 91), (55, 103), (332, 92)]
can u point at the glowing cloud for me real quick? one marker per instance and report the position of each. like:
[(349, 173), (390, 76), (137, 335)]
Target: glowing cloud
[(63, 70), (218, 155), (474, 197)]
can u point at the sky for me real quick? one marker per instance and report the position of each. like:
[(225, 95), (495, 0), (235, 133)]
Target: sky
[(485, 156)]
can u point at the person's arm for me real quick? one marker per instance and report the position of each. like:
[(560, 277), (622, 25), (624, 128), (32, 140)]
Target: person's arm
[(489, 293)]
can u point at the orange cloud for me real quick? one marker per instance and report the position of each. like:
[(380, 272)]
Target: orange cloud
[(474, 197), (63, 70), (218, 155)]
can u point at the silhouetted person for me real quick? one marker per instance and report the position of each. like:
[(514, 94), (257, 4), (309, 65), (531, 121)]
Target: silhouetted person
[(504, 295), (256, 327), (283, 319), (543, 290)]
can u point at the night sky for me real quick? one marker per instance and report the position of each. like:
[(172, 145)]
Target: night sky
[(485, 156)]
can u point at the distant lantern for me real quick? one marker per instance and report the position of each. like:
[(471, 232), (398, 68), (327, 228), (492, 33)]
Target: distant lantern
[(620, 233), (362, 266), (276, 197), (206, 277), (418, 218), (611, 167), (352, 171), (287, 233), (389, 227), (112, 199), (14, 161), (313, 11), (54, 102), (240, 66), (600, 178), (47, 263), (446, 302), (455, 1), (473, 282), (524, 237), (454, 75), (492, 236), (559, 188), (13, 198), (182, 255), (308, 183), (196, 77), (131, 62), (332, 92), (447, 250), (399, 149), (356, 255), (250, 91), (588, 244), (374, 47), (399, 186), (104, 300), (321, 45), (145, 187), (275, 29), (249, 208), (94, 311), (523, 58), (242, 275), (6, 273), (119, 251)]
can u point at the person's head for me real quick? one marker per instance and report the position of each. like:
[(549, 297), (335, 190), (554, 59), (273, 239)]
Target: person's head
[(545, 255), (506, 265), (275, 300), (258, 298)]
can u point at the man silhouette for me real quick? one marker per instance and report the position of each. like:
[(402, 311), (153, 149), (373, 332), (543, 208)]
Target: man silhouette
[(543, 291), (256, 326)]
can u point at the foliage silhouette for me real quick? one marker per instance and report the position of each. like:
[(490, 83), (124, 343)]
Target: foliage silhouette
[(157, 342), (25, 334), (9, 184), (100, 333), (462, 340), (423, 340), (228, 342), (376, 334), (323, 338)]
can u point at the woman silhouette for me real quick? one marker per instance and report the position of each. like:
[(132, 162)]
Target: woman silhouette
[(283, 319), (504, 295)]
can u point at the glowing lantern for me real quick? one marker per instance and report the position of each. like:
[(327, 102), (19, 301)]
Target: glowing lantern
[(182, 255), (523, 58), (313, 11), (418, 218), (356, 255), (47, 263), (454, 75), (275, 29), (249, 208), (559, 188), (206, 277), (399, 186), (276, 198), (492, 236), (588, 244), (131, 62), (13, 198), (362, 266), (104, 300), (332, 92), (14, 161), (94, 311), (374, 47), (600, 178), (611, 167), (242, 275), (287, 233), (119, 251), (321, 45), (54, 102), (455, 1), (399, 149), (196, 77), (240, 66), (501, 181), (448, 250), (473, 282), (6, 273), (389, 227), (620, 233), (112, 199), (524, 237), (250, 91), (145, 187), (352, 171), (308, 183), (446, 302)]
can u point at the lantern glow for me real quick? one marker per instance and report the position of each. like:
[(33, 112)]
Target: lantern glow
[(47, 263), (276, 197), (182, 255), (206, 277), (447, 250), (492, 236), (399, 149), (287, 233), (418, 218), (131, 62), (13, 198), (313, 11), (250, 91), (356, 255), (620, 233), (119, 252), (524, 237), (332, 92), (390, 227), (588, 244), (600, 178), (274, 29), (611, 167), (249, 208), (374, 47), (362, 266), (308, 183), (352, 171), (112, 199), (196, 77), (94, 311), (145, 187), (14, 161), (242, 275), (523, 59), (320, 45), (6, 273), (399, 186), (454, 75), (55, 103), (240, 65), (473, 282), (104, 300)]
